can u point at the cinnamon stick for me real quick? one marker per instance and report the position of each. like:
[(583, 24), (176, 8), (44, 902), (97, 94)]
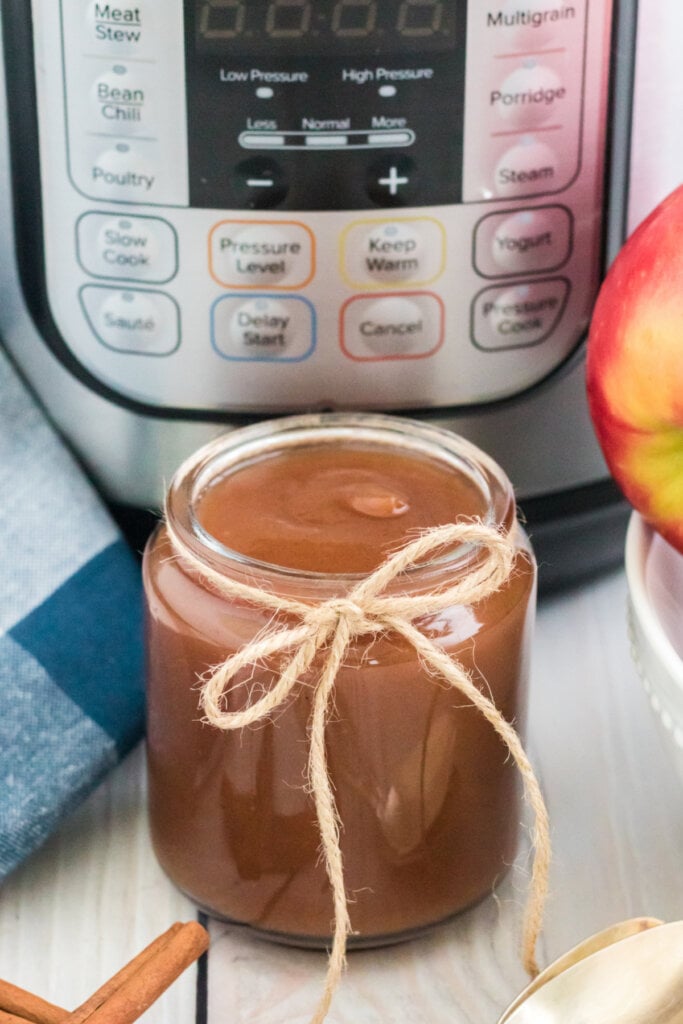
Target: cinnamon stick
[(126, 995), (131, 991), (18, 1003)]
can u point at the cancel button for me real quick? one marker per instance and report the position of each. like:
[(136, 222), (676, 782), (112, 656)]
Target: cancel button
[(394, 326)]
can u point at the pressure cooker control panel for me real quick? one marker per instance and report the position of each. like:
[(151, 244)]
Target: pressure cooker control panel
[(254, 206)]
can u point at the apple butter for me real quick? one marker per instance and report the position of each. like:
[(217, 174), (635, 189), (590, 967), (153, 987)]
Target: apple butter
[(426, 791)]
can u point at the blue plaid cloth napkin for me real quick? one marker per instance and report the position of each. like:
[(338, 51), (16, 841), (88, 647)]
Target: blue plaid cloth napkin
[(71, 696)]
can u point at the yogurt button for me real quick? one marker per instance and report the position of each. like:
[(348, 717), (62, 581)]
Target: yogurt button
[(538, 238), (143, 323), (122, 173), (528, 168), (529, 96)]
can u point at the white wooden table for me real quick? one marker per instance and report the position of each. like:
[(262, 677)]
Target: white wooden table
[(93, 896)]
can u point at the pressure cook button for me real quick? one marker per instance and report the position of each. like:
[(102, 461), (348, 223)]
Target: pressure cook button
[(391, 181), (260, 184), (136, 322), (133, 247), (407, 326), (525, 241), (263, 328), (519, 315), (262, 255)]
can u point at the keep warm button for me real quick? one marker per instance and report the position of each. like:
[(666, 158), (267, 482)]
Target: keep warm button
[(523, 241)]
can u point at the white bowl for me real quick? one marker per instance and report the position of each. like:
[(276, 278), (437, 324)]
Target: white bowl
[(654, 571)]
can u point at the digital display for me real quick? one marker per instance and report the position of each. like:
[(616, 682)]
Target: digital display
[(312, 27)]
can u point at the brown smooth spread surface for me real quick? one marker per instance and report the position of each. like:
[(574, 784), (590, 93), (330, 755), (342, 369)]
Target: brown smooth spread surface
[(425, 790), (333, 510)]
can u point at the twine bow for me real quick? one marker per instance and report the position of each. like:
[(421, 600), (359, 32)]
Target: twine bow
[(330, 627)]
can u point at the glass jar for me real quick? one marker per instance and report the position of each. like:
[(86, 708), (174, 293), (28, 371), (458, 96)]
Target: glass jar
[(426, 791)]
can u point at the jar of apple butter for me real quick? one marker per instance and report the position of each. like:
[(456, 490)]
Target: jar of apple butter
[(426, 792)]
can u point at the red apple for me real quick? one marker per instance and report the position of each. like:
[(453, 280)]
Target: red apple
[(635, 369)]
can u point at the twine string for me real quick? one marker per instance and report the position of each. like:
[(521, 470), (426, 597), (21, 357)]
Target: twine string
[(328, 628)]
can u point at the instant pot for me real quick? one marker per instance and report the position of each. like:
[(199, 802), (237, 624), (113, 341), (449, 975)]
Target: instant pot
[(218, 210)]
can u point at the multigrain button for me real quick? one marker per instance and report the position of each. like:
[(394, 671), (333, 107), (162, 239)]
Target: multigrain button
[(131, 247), (525, 241), (262, 255), (132, 321), (518, 316), (407, 326), (263, 328), (529, 96)]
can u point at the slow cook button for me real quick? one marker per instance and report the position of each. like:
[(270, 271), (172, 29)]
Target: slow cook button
[(522, 242), (518, 316), (133, 247), (122, 173), (408, 326), (261, 254), (137, 322), (263, 328)]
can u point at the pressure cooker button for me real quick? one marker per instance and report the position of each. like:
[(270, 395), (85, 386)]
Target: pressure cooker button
[(526, 241), (260, 184), (136, 322), (528, 168), (407, 326), (261, 254), (263, 328), (392, 181), (518, 316), (133, 247), (122, 173), (529, 96)]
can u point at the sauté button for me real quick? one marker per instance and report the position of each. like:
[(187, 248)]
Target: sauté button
[(137, 322)]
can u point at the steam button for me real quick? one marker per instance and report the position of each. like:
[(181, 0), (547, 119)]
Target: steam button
[(528, 168)]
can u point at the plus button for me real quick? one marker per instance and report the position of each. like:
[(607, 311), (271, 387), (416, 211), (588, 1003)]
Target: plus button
[(393, 180)]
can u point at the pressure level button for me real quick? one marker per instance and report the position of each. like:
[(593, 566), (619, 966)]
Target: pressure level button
[(261, 255)]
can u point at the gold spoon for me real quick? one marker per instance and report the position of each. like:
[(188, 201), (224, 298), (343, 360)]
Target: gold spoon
[(638, 980), (602, 939)]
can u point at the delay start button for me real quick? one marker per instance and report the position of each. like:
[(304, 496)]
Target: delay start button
[(263, 328), (406, 326)]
